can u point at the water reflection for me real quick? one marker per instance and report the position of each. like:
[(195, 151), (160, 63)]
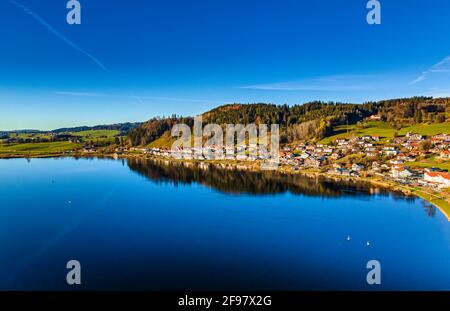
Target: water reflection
[(230, 179)]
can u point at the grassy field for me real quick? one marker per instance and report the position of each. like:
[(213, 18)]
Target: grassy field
[(89, 135), (99, 136), (427, 129), (31, 135), (54, 148), (36, 149), (164, 142), (444, 165), (384, 130), (93, 134)]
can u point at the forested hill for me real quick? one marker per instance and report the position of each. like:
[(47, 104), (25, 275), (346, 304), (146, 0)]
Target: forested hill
[(309, 121), (122, 127)]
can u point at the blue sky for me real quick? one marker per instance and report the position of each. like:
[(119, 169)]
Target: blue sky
[(131, 60)]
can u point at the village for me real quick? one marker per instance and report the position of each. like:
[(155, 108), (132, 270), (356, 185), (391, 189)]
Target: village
[(365, 156)]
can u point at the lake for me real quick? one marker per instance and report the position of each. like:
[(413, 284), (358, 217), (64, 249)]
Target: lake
[(154, 225)]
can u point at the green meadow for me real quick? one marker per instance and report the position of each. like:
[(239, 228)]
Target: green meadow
[(384, 130), (54, 148), (428, 163), (37, 149), (97, 136), (427, 129), (96, 133), (164, 142), (31, 135)]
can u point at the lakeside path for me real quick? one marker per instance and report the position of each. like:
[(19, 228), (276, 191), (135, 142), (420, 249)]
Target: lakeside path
[(440, 200)]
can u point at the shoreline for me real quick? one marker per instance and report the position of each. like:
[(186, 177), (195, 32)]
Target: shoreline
[(433, 198)]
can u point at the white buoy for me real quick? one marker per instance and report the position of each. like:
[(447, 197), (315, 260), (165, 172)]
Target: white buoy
[(368, 243), (348, 238)]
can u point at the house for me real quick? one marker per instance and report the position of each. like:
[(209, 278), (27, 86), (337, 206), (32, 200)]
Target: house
[(390, 151), (441, 137), (445, 154), (384, 167), (405, 157), (414, 136), (375, 166), (399, 171), (441, 179), (241, 157), (376, 138), (343, 171), (335, 156), (375, 117), (341, 142), (312, 162), (89, 149), (305, 155), (396, 161), (357, 167)]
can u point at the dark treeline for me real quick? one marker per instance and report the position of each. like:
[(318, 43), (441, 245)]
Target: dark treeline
[(154, 128), (37, 138), (122, 127), (313, 120), (414, 110), (286, 115), (61, 134)]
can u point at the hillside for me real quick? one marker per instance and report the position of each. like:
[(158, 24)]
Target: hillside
[(313, 121), (154, 129), (384, 130)]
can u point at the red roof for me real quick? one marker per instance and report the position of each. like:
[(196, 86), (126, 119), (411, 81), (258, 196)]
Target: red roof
[(439, 174)]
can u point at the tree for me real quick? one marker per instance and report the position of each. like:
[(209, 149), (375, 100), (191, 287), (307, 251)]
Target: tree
[(425, 145)]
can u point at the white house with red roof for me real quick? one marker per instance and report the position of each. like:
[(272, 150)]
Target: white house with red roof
[(441, 179)]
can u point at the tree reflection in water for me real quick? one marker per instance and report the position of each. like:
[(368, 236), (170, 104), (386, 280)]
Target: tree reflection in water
[(231, 180)]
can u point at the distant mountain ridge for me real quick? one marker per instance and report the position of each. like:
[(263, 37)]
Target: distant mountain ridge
[(122, 127)]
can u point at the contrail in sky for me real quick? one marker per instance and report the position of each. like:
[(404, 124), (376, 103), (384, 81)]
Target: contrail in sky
[(442, 67), (56, 33)]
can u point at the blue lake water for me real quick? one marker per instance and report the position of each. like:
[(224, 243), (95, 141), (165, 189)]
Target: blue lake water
[(148, 226)]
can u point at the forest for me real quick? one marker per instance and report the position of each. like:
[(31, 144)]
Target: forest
[(308, 121)]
